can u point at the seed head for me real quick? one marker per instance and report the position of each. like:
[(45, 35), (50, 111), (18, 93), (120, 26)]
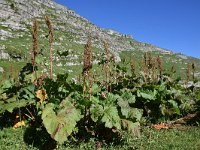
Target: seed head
[(87, 62)]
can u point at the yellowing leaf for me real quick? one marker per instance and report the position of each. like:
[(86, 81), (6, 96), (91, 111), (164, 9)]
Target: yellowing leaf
[(42, 95), (19, 124), (161, 126)]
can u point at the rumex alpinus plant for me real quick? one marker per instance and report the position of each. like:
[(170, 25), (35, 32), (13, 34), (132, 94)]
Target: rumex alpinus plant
[(113, 74), (107, 68), (87, 64), (34, 43), (193, 71), (144, 69), (172, 71), (51, 37), (62, 106), (154, 70), (133, 68), (150, 67), (160, 66), (149, 61), (4, 75), (188, 73)]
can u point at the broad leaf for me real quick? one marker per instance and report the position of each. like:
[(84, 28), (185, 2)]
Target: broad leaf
[(128, 96), (61, 124), (28, 92), (175, 106), (96, 112), (125, 108), (111, 117), (14, 103), (129, 112), (149, 95), (132, 127), (135, 113), (95, 89), (7, 84)]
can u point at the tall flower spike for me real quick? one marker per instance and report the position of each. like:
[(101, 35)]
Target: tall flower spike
[(154, 73), (188, 73), (150, 61), (133, 68), (107, 63), (193, 71), (160, 66), (49, 25), (87, 65), (144, 69), (34, 42), (87, 61)]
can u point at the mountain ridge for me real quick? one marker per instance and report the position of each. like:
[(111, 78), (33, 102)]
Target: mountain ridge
[(118, 42)]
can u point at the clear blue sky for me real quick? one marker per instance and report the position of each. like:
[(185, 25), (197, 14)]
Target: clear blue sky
[(170, 24)]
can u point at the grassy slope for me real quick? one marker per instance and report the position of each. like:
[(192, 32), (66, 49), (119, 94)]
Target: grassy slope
[(185, 138), (168, 60), (64, 41)]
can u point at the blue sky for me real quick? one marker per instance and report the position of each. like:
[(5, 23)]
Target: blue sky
[(170, 24)]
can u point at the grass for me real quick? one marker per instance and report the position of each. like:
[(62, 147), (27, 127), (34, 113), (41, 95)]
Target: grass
[(16, 66), (168, 60), (183, 138)]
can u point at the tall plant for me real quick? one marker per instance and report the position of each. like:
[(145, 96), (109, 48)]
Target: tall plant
[(50, 27), (34, 43)]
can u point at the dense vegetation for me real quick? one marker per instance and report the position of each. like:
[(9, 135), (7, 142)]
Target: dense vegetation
[(107, 103)]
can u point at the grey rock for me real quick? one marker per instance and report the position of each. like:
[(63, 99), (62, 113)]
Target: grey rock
[(1, 70), (4, 55), (18, 14)]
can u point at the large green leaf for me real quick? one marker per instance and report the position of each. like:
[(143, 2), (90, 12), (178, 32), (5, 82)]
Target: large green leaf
[(28, 92), (111, 117), (129, 112), (162, 87), (61, 124), (149, 95), (96, 112), (128, 96), (135, 113), (95, 89), (14, 103), (132, 127), (111, 98), (125, 108), (175, 106), (7, 84)]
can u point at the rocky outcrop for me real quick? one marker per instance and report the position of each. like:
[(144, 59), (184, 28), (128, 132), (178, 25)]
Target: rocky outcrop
[(17, 15), (4, 55), (1, 70)]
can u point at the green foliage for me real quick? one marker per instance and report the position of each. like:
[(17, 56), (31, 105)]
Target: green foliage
[(15, 96), (111, 118), (75, 110), (62, 123)]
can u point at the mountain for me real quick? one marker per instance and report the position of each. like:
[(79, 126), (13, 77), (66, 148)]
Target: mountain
[(71, 31)]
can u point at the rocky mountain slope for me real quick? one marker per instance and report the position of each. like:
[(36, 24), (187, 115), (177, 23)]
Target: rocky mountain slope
[(71, 32)]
